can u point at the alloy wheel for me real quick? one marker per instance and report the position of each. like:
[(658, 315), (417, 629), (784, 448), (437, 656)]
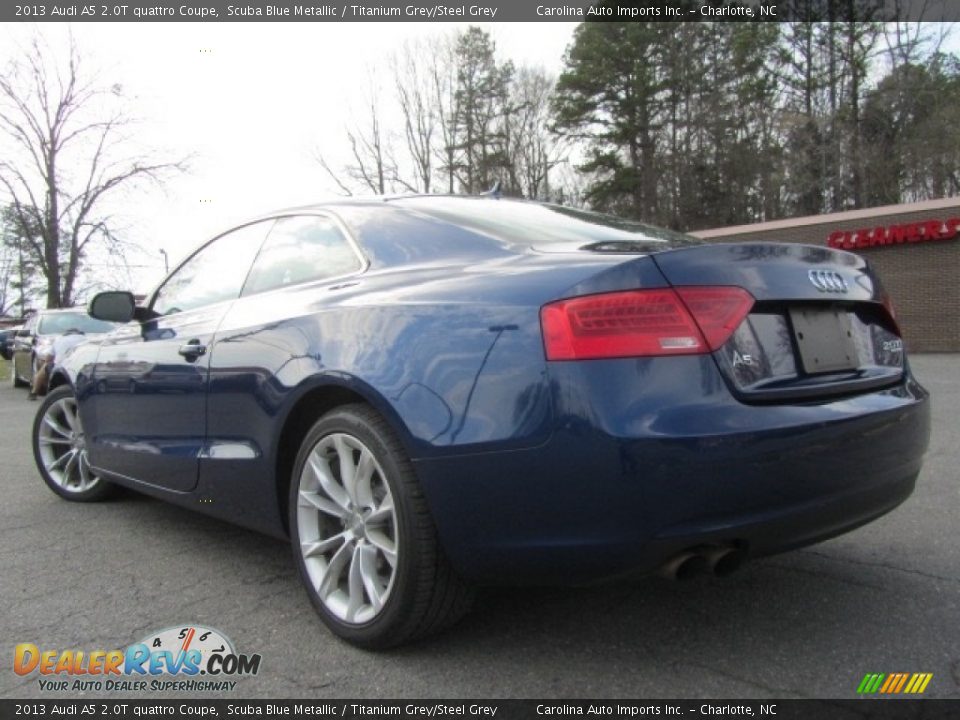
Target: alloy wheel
[(62, 449), (347, 528)]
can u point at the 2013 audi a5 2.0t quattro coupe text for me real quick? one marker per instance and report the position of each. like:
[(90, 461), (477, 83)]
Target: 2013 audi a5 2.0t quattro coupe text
[(430, 393)]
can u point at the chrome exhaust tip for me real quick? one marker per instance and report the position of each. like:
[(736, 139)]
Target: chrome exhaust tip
[(684, 566), (723, 561)]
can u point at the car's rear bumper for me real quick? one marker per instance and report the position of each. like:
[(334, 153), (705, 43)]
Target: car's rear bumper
[(618, 490)]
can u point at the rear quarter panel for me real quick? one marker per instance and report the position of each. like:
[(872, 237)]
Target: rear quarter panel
[(451, 356)]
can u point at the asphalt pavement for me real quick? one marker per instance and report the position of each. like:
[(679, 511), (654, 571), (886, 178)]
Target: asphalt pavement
[(811, 623)]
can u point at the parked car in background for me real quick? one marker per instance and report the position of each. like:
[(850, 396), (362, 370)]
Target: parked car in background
[(6, 341), (430, 393), (33, 344)]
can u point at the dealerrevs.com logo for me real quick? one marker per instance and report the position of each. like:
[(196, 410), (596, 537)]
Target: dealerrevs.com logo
[(189, 658)]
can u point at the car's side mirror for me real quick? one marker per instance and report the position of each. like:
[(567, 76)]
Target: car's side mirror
[(116, 306)]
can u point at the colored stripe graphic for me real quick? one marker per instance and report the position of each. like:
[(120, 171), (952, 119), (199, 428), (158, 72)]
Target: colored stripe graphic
[(891, 681), (894, 683), (870, 683), (918, 683)]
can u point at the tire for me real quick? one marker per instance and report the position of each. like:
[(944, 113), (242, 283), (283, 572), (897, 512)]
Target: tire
[(369, 557), (59, 449), (14, 380)]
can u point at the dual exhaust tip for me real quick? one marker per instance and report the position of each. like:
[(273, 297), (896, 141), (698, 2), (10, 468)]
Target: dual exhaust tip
[(720, 561)]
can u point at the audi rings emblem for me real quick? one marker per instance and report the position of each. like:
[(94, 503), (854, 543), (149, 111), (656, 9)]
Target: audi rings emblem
[(827, 281)]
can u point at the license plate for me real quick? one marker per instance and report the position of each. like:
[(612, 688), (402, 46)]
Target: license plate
[(825, 339)]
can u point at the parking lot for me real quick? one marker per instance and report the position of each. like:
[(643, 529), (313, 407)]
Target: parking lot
[(811, 623)]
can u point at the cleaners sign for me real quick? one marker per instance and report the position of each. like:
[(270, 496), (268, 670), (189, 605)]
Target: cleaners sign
[(910, 233)]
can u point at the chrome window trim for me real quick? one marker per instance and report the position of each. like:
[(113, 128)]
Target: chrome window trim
[(152, 297), (337, 221), (339, 224)]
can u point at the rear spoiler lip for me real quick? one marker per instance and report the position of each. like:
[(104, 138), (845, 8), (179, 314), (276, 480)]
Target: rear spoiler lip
[(605, 248), (853, 258), (771, 271)]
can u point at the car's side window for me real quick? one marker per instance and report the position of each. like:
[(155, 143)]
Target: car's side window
[(216, 272), (300, 249)]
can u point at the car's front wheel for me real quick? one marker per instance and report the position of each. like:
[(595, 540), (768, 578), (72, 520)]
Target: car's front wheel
[(362, 536), (60, 449)]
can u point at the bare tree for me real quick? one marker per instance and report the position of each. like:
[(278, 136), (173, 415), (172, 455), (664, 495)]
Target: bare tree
[(457, 119), (446, 102), (400, 143), (911, 43), (345, 189), (373, 165), (413, 72), (532, 150), (66, 131)]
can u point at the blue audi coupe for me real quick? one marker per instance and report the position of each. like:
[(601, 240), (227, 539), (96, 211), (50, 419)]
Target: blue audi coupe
[(430, 393)]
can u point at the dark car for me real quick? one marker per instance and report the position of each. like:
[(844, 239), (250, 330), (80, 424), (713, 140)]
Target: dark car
[(32, 346), (431, 393), (7, 336)]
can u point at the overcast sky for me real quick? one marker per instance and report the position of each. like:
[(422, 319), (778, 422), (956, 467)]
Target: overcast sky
[(251, 103)]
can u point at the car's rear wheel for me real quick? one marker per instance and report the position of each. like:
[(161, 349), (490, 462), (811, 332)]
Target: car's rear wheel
[(60, 449), (362, 536)]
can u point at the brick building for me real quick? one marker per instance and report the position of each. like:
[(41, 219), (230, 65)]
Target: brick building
[(914, 247)]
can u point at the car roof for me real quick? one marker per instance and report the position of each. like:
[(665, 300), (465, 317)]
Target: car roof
[(469, 228), (372, 201)]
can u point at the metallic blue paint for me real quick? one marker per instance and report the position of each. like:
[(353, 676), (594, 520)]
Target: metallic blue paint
[(653, 456), (534, 471)]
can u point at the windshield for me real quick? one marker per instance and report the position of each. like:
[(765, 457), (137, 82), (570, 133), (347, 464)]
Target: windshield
[(539, 224), (59, 323)]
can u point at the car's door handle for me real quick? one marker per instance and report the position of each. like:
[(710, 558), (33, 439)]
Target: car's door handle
[(192, 349)]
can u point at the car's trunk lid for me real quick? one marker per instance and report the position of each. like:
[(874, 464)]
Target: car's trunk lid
[(819, 327)]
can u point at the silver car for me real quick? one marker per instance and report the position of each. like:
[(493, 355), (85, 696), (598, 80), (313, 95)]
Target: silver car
[(32, 346)]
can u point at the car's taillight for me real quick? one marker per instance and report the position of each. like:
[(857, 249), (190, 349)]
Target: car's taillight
[(888, 306), (636, 323), (717, 310)]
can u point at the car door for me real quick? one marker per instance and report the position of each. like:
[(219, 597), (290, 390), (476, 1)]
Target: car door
[(146, 413), (267, 343)]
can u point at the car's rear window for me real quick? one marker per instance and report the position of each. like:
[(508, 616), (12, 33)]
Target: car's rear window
[(60, 323), (542, 225)]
